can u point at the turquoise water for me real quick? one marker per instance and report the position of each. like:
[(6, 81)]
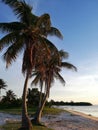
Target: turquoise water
[(89, 110)]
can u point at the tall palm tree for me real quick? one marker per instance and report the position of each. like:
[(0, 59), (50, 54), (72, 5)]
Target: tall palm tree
[(2, 86), (26, 35), (46, 73)]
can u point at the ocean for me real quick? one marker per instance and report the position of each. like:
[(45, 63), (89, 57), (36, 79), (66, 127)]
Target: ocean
[(89, 110)]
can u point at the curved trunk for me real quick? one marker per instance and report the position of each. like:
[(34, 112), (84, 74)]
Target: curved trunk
[(26, 123), (38, 115)]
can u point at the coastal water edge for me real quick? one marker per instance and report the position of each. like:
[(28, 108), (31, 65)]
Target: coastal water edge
[(89, 110)]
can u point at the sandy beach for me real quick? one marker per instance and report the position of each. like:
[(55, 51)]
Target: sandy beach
[(71, 120), (4, 117)]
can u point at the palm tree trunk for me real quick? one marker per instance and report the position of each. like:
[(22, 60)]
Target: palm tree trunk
[(26, 123), (37, 118), (40, 99), (0, 95), (39, 112)]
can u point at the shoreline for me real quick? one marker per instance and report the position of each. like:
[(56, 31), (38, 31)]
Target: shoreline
[(71, 120), (89, 116)]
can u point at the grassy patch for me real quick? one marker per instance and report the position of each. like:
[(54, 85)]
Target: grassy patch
[(16, 126), (11, 110), (17, 110), (10, 126), (31, 111), (52, 111)]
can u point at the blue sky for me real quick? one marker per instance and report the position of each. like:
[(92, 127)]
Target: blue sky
[(78, 22)]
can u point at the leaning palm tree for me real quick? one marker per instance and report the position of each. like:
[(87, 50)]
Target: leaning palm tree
[(26, 35), (2, 86), (46, 72)]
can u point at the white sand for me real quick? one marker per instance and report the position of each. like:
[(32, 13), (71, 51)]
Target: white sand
[(71, 121), (4, 117)]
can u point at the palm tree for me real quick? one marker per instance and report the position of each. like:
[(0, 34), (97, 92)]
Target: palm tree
[(33, 97), (46, 73), (10, 96), (2, 86), (26, 35)]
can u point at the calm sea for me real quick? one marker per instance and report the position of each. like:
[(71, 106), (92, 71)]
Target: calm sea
[(90, 110)]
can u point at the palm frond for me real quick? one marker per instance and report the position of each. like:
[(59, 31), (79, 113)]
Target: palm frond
[(68, 66), (21, 9), (2, 84), (61, 79), (44, 22), (8, 39), (36, 80), (49, 45), (34, 73), (11, 3), (12, 26), (12, 52), (63, 54), (55, 32)]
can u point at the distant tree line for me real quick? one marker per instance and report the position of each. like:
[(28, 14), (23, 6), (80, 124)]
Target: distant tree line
[(10, 100), (52, 102)]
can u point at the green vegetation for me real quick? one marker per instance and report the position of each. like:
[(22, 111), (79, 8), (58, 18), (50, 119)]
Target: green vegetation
[(11, 126), (52, 102), (16, 111), (2, 86), (31, 111), (17, 125), (52, 110)]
